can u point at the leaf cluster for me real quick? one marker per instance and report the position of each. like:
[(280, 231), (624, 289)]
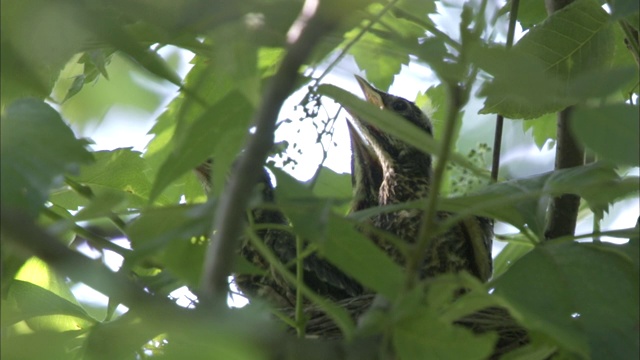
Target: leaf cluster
[(576, 296)]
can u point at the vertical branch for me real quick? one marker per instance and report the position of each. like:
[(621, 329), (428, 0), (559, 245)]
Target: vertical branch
[(497, 139), (563, 211), (315, 20)]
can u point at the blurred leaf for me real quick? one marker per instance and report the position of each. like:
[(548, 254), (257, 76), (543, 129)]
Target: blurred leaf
[(381, 60), (623, 8), (34, 301), (508, 256), (37, 149), (42, 345), (48, 304), (100, 206), (543, 128), (38, 38), (597, 128), (333, 185), (154, 229), (423, 335), (121, 171), (583, 295), (530, 13), (220, 130)]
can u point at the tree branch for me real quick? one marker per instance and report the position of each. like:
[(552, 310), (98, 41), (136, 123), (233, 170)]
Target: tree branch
[(316, 19), (563, 211)]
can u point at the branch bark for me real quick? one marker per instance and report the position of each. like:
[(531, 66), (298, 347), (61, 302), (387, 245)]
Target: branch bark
[(316, 19), (563, 211)]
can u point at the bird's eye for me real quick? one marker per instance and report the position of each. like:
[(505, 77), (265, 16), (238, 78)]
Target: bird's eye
[(399, 105)]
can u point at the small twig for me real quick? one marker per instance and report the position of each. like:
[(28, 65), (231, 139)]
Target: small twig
[(357, 38), (299, 317), (428, 224), (497, 139), (95, 240), (88, 194), (308, 29)]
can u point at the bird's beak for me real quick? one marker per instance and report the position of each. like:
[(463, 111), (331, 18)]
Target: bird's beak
[(370, 93)]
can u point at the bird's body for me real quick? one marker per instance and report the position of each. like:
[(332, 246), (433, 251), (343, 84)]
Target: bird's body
[(406, 176), (319, 275)]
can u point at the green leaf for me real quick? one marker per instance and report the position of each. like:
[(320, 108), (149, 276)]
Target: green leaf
[(120, 171), (155, 228), (543, 129), (42, 345), (48, 304), (508, 256), (393, 124), (524, 201), (424, 336), (34, 301), (38, 39), (37, 149), (582, 295), (611, 131), (575, 40), (220, 130), (337, 239), (333, 185)]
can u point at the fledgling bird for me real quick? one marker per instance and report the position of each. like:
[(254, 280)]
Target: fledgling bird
[(405, 175), (319, 275)]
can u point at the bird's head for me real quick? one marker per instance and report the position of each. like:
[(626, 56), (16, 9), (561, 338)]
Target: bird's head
[(387, 147)]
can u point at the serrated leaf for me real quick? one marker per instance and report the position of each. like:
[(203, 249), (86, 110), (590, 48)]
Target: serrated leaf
[(543, 128), (582, 295), (611, 131), (574, 40), (37, 149)]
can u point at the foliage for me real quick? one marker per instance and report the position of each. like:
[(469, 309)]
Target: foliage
[(578, 299)]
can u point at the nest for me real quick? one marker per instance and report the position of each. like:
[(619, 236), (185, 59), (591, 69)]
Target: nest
[(511, 336)]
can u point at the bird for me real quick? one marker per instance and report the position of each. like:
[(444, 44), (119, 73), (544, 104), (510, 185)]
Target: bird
[(388, 171), (318, 274)]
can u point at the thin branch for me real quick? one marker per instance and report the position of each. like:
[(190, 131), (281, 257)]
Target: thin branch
[(357, 38), (95, 240), (310, 26), (428, 223), (497, 139)]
